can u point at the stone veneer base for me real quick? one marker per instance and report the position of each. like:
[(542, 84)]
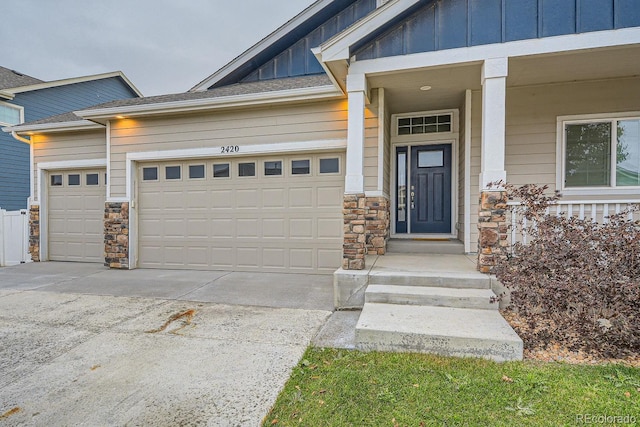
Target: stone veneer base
[(116, 235)]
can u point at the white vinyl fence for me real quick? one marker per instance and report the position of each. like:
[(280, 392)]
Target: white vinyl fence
[(14, 237), (596, 210)]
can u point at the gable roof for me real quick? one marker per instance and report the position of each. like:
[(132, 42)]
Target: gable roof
[(316, 23), (11, 78), (271, 91), (37, 85)]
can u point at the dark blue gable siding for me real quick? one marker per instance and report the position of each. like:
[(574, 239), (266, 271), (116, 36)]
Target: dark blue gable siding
[(38, 104), (448, 24), (292, 56)]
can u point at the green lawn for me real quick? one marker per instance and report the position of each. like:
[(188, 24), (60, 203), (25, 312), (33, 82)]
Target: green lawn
[(350, 388)]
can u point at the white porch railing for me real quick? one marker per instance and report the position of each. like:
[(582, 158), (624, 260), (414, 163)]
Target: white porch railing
[(14, 237), (596, 210)]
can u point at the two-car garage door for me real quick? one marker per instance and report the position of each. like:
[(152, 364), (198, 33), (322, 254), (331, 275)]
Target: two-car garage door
[(245, 214)]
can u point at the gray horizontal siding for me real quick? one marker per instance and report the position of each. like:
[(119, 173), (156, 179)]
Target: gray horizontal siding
[(448, 24)]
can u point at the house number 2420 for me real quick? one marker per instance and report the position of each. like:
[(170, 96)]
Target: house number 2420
[(229, 149)]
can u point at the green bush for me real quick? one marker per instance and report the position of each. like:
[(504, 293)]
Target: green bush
[(575, 282)]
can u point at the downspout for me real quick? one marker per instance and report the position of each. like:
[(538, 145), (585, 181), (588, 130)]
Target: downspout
[(31, 169), (19, 138)]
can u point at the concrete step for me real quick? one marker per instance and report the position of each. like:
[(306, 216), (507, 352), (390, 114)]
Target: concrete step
[(425, 246), (428, 295), (441, 279), (442, 330)]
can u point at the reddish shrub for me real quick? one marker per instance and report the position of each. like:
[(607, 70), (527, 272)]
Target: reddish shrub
[(575, 282)]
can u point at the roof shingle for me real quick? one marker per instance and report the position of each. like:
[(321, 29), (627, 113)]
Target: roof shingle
[(11, 79)]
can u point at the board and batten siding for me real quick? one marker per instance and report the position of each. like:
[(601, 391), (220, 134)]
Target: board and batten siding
[(58, 147), (291, 123), (532, 113)]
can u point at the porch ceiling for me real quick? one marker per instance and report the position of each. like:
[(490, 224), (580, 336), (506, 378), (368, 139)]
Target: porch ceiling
[(403, 94), (584, 65)]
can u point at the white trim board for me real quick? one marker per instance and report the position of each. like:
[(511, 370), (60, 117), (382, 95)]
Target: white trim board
[(201, 104), (73, 80), (475, 54)]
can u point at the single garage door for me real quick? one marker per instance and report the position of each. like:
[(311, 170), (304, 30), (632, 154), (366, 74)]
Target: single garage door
[(281, 214), (76, 214)]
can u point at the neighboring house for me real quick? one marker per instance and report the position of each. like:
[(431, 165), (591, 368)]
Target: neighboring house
[(25, 99), (353, 123)]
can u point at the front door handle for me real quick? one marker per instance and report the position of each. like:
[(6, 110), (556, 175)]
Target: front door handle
[(413, 196)]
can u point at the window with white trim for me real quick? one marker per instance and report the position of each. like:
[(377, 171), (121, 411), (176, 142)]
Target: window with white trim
[(602, 153), (10, 114)]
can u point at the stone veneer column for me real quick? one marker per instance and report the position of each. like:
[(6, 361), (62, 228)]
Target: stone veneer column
[(492, 229), (116, 235), (377, 225), (34, 232), (366, 228), (353, 247)]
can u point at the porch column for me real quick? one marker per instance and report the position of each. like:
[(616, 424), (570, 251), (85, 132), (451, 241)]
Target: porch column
[(353, 248), (492, 227)]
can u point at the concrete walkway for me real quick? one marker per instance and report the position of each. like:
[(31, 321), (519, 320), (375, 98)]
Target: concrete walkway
[(83, 345)]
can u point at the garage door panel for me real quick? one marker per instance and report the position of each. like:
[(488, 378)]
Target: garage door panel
[(301, 228), (274, 258), (273, 198), (273, 227), (282, 223), (75, 218), (248, 257), (327, 196), (222, 199), (301, 197), (329, 228), (301, 259)]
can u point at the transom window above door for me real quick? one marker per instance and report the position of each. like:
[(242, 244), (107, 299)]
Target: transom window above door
[(434, 123), (601, 153)]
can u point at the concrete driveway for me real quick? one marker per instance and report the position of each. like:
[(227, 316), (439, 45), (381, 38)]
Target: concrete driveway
[(83, 345)]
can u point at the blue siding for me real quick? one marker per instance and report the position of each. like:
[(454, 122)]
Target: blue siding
[(448, 24), (296, 58), (483, 11), (14, 173), (39, 104), (451, 18), (520, 20), (627, 13)]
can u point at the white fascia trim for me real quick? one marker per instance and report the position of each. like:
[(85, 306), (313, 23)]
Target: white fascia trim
[(245, 150), (73, 164), (338, 47), (261, 45), (6, 95), (55, 127), (474, 54), (65, 82), (235, 101)]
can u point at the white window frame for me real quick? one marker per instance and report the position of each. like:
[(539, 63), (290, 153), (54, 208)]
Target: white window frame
[(15, 107), (561, 144)]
